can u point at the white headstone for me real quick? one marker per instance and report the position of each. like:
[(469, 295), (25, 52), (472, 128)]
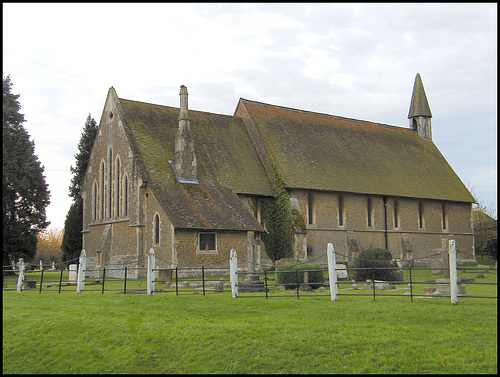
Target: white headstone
[(341, 271), (73, 273)]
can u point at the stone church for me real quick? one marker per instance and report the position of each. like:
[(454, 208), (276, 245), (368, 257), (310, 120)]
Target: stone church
[(186, 183)]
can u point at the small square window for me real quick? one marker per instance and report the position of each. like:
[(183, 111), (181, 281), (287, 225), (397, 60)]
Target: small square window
[(207, 242)]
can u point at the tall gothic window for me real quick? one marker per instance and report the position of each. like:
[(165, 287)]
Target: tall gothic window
[(369, 211), (420, 214), (157, 229), (396, 217), (310, 203), (341, 210), (125, 196), (94, 209), (118, 186), (102, 190), (110, 182), (443, 215)]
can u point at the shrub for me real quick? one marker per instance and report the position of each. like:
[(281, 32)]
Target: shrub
[(375, 258), (292, 279), (490, 248)]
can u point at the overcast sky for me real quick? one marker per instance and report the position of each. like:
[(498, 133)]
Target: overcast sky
[(352, 60)]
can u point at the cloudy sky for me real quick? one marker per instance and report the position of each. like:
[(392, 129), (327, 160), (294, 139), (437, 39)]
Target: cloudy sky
[(352, 60)]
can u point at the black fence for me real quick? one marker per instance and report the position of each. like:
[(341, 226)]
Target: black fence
[(417, 282), (271, 288)]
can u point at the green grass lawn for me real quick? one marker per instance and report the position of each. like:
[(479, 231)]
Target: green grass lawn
[(192, 333)]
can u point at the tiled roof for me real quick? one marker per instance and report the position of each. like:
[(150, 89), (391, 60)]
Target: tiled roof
[(227, 165), (325, 152)]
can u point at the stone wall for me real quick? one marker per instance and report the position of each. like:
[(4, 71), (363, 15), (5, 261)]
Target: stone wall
[(423, 241)]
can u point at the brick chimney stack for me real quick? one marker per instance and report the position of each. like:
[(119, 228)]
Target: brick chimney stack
[(184, 161)]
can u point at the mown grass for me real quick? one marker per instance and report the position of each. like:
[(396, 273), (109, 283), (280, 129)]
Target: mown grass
[(165, 333)]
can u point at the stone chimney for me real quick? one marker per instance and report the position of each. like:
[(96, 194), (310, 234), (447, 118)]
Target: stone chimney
[(184, 161), (420, 113)]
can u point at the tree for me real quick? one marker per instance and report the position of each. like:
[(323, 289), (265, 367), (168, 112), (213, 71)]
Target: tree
[(72, 241), (83, 156), (71, 244), (48, 248), (25, 192)]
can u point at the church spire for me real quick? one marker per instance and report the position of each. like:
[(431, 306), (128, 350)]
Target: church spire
[(420, 113)]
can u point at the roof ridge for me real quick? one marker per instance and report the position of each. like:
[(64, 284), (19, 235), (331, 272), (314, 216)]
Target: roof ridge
[(175, 107), (325, 115)]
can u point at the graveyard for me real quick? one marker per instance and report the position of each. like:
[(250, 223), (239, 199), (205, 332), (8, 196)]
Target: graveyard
[(92, 332)]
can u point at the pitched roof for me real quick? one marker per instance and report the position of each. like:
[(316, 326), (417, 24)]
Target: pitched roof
[(227, 165), (325, 152), (419, 104)]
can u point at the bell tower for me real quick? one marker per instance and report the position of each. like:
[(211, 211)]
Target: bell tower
[(420, 113)]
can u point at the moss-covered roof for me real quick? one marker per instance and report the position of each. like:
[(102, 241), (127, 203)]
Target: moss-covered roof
[(227, 165), (419, 104), (325, 152)]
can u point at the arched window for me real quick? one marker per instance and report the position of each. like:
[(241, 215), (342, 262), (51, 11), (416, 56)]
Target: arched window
[(157, 229), (110, 183), (420, 214), (117, 186), (341, 210), (444, 216), (125, 196), (94, 199), (396, 214), (102, 190), (310, 208), (369, 211)]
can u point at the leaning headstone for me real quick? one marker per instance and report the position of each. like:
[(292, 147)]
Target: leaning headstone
[(73, 274)]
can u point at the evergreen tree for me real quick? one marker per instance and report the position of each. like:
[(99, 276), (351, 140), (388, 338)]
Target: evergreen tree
[(83, 156), (72, 241), (71, 244), (25, 192)]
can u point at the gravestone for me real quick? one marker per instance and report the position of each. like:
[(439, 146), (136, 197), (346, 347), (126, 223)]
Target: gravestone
[(29, 284), (444, 289), (341, 271), (73, 274), (219, 286)]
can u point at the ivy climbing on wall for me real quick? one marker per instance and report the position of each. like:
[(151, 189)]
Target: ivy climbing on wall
[(276, 216)]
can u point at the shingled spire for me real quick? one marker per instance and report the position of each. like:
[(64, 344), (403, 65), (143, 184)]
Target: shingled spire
[(184, 161), (420, 113)]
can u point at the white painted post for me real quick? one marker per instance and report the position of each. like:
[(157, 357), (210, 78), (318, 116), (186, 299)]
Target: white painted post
[(80, 284), (332, 273), (20, 278), (151, 273), (453, 272), (233, 269)]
